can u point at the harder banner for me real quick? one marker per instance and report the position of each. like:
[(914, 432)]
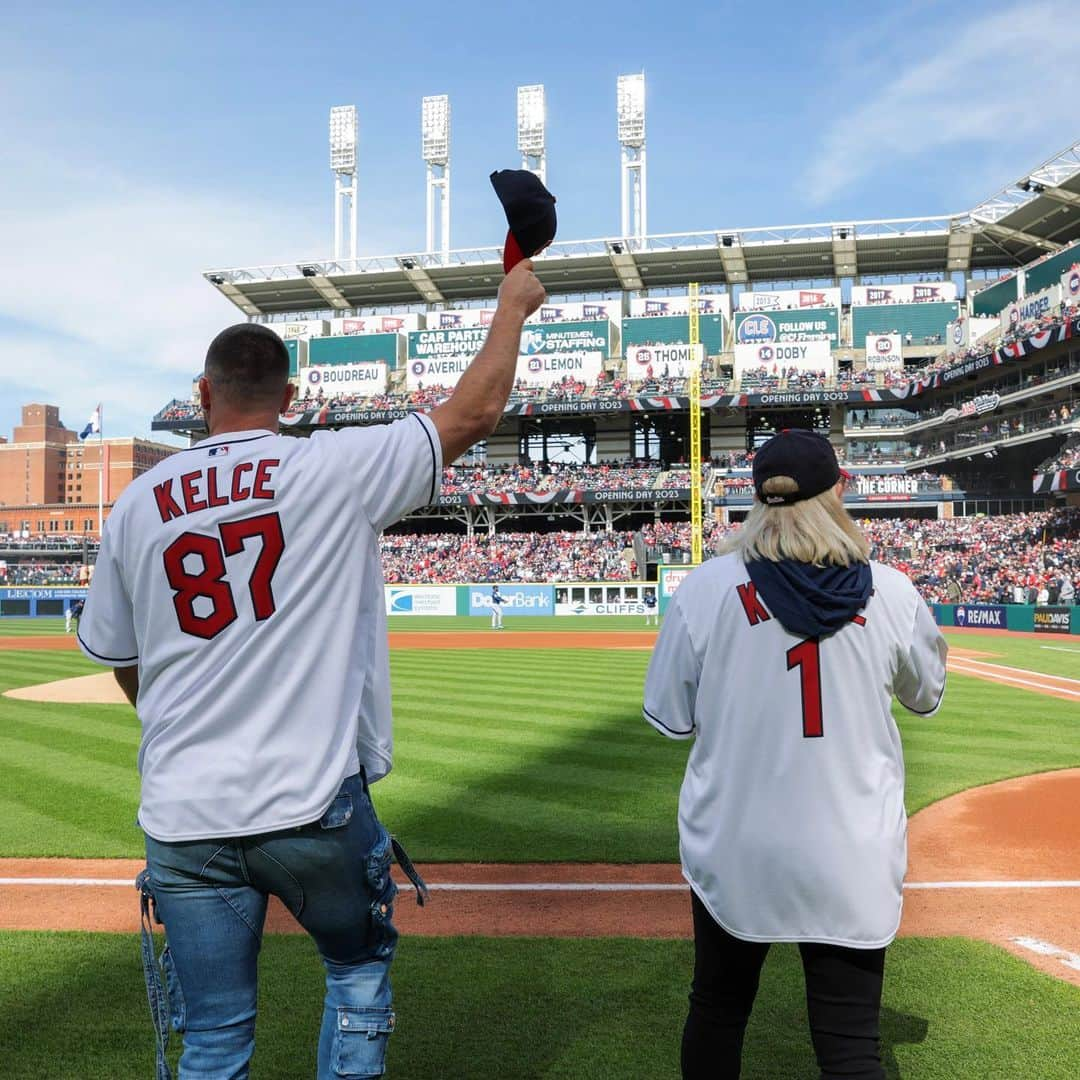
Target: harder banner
[(333, 379), (708, 304), (377, 324), (661, 361), (753, 328), (789, 298), (776, 359), (922, 293), (1030, 307), (884, 352), (421, 599)]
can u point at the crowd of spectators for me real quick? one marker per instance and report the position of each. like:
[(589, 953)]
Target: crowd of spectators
[(447, 558), (1068, 457), (462, 479), (42, 573)]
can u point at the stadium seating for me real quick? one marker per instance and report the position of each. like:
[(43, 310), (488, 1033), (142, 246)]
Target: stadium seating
[(925, 322)]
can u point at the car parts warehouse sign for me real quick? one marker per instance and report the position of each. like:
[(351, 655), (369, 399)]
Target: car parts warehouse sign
[(549, 353)]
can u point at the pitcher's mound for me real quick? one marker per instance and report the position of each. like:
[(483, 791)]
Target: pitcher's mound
[(84, 690)]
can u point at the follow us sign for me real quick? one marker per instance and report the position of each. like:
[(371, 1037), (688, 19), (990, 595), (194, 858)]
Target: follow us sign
[(518, 599)]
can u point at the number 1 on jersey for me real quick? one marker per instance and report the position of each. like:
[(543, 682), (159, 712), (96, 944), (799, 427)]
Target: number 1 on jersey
[(806, 656)]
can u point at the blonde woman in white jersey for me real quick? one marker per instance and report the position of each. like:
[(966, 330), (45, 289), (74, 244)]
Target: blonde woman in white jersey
[(780, 659)]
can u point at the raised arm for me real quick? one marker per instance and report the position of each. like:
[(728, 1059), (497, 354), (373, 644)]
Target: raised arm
[(476, 405)]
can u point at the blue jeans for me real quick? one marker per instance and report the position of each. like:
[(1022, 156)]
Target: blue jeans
[(334, 876)]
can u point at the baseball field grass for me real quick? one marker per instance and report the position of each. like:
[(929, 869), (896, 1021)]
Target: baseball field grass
[(73, 1006), (522, 756)]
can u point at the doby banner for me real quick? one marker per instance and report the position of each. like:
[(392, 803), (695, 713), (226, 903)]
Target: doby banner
[(811, 356), (884, 352), (333, 379), (664, 360)]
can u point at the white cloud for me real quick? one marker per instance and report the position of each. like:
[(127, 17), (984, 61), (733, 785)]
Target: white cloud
[(986, 85)]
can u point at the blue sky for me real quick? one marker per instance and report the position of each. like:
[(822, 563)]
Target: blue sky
[(144, 145)]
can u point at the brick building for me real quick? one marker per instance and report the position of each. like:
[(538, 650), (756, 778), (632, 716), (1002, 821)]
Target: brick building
[(49, 479)]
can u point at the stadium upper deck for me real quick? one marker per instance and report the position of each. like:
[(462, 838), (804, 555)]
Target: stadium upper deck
[(1036, 214)]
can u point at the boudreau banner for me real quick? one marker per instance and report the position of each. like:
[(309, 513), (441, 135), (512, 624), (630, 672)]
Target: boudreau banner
[(333, 379), (759, 300), (776, 359), (647, 361), (708, 304), (1070, 284), (921, 293), (1034, 306), (752, 328), (377, 324), (884, 352)]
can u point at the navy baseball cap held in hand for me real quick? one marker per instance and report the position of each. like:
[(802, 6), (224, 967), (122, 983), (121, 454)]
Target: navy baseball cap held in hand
[(530, 213), (807, 457)]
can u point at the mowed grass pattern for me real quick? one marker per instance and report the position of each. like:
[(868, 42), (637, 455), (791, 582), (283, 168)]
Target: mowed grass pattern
[(517, 755), (73, 1005)]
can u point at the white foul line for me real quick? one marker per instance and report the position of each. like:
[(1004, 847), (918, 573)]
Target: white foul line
[(1058, 648), (1044, 948), (565, 886), (1012, 680)]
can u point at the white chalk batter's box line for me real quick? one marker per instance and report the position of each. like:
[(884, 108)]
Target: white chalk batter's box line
[(562, 886), (1045, 948)]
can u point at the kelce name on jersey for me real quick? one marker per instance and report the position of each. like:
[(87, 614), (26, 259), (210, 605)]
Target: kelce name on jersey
[(203, 489), (756, 611)]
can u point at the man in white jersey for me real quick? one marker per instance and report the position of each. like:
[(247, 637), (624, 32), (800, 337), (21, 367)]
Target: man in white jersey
[(780, 659), (238, 594)]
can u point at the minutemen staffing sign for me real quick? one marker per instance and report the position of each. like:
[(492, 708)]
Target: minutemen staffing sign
[(549, 353)]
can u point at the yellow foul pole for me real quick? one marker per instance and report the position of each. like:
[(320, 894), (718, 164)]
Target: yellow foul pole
[(695, 429)]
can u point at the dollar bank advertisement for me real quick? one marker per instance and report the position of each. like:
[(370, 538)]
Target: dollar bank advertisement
[(549, 353)]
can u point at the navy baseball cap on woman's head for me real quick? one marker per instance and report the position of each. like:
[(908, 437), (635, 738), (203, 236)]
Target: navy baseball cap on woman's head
[(807, 457), (530, 213)]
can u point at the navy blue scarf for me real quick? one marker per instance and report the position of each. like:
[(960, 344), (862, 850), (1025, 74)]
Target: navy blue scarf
[(812, 601)]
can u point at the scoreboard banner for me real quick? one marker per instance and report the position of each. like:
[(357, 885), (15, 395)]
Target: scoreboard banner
[(810, 356), (708, 304), (921, 293), (760, 300), (754, 328), (664, 360), (567, 495), (377, 324), (584, 311), (333, 379), (884, 352), (1034, 306)]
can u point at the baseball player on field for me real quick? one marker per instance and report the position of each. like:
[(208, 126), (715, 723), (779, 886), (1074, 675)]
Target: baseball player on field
[(780, 659), (652, 613), (497, 601), (224, 577)]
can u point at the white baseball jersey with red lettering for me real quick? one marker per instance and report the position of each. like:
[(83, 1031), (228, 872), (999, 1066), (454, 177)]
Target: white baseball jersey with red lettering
[(243, 577), (792, 824)]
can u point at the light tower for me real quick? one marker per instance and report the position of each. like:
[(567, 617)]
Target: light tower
[(343, 165), (531, 124), (630, 97), (435, 145)]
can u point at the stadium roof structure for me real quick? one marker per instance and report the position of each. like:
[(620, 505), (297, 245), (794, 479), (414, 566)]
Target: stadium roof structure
[(1035, 215)]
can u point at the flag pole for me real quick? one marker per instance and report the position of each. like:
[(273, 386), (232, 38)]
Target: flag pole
[(101, 476)]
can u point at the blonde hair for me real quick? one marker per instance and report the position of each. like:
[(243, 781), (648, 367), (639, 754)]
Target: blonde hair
[(817, 530)]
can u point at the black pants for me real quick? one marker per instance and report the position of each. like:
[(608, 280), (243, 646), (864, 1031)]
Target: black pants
[(843, 998)]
